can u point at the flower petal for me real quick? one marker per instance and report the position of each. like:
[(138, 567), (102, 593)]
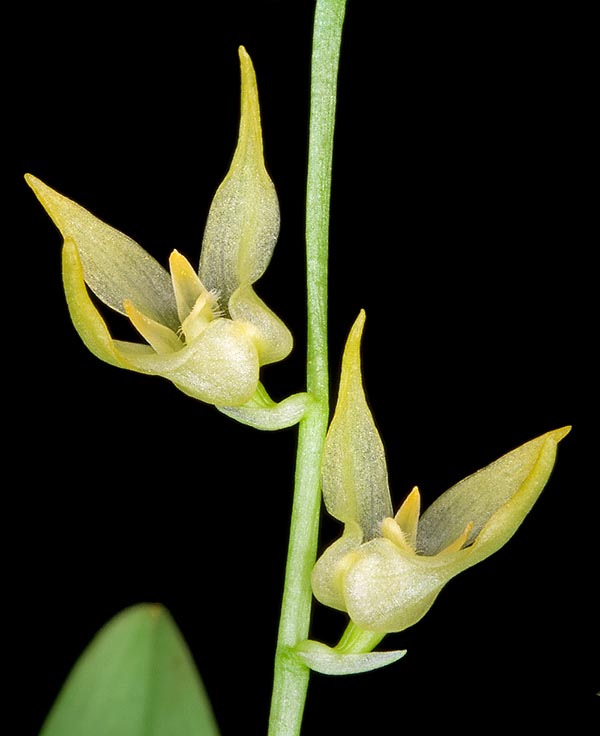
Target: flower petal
[(495, 500), (186, 284), (355, 481), (407, 517), (116, 267), (162, 338), (243, 221), (273, 339)]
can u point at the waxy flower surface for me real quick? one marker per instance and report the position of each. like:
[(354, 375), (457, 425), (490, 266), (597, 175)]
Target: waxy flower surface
[(386, 570), (207, 331)]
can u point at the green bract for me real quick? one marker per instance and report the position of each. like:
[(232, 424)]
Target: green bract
[(207, 332), (386, 571)]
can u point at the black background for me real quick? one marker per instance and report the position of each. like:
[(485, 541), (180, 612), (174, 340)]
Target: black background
[(460, 218)]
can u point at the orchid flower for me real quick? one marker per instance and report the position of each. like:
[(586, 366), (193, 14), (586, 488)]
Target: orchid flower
[(207, 332), (386, 570)]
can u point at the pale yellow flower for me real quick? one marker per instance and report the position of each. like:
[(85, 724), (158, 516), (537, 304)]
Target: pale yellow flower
[(386, 570), (207, 332)]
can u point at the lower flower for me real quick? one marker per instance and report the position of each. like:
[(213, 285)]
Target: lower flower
[(386, 572)]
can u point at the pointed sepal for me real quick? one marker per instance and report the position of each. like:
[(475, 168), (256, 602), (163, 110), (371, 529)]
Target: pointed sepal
[(493, 501), (243, 221), (115, 266), (355, 479)]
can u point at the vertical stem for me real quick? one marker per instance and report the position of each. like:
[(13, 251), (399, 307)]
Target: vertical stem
[(291, 674)]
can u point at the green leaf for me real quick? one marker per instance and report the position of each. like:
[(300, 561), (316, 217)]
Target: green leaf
[(136, 678)]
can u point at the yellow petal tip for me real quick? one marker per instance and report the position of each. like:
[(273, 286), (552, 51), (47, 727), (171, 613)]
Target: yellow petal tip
[(562, 432), (38, 187)]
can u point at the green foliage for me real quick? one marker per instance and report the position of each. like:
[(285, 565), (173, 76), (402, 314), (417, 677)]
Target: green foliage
[(136, 678)]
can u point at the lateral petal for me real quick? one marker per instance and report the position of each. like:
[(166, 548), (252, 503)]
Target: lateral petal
[(186, 284), (407, 516), (162, 338)]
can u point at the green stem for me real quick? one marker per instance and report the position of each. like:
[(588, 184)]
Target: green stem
[(358, 641), (291, 674)]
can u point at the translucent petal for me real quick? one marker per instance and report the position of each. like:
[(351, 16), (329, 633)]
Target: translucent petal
[(272, 338), (495, 499), (115, 267), (243, 221), (459, 542), (407, 517), (162, 338), (390, 529), (186, 284), (355, 481)]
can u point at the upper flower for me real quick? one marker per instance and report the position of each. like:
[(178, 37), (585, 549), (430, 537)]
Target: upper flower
[(209, 332), (387, 570)]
